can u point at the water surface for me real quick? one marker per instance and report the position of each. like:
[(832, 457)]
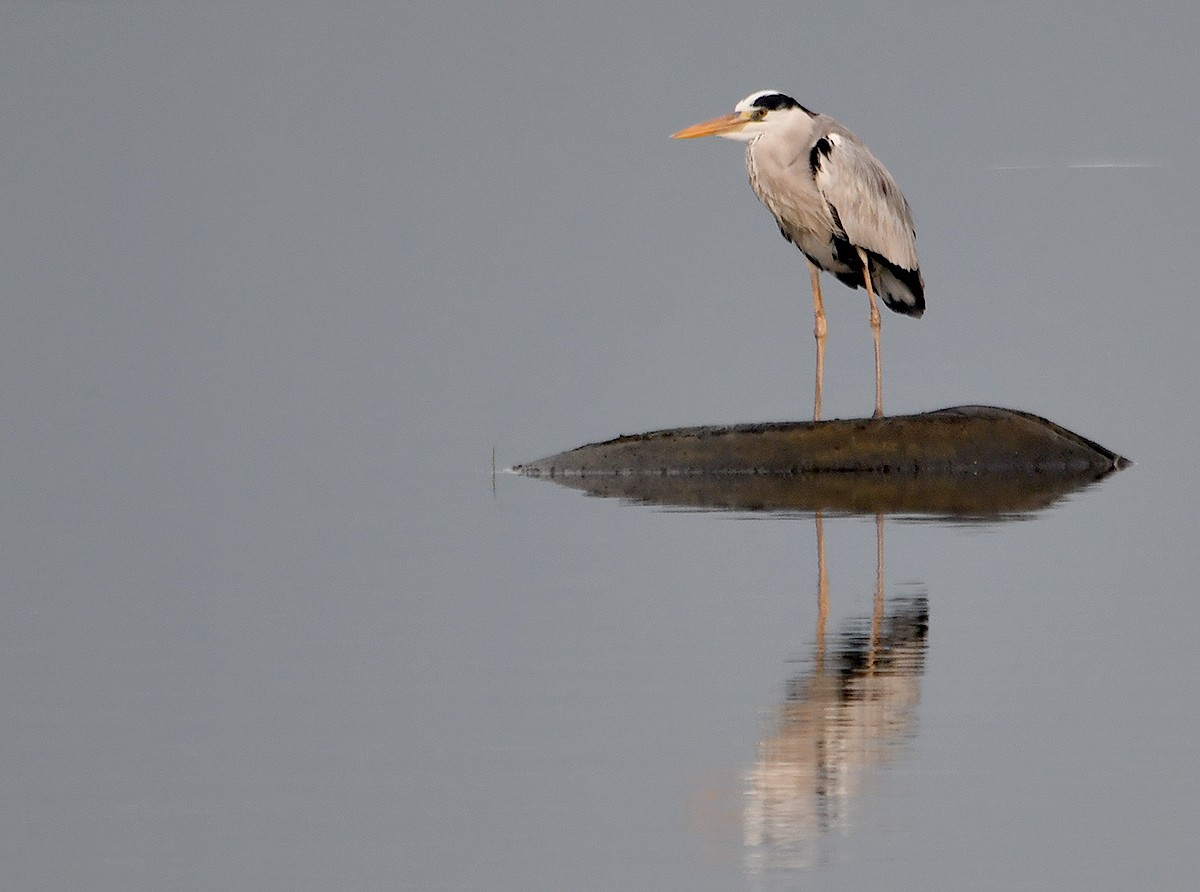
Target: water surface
[(276, 286)]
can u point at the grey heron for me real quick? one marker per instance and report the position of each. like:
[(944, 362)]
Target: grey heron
[(833, 200)]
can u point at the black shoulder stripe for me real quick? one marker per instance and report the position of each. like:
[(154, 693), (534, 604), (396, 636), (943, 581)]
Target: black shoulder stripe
[(822, 148)]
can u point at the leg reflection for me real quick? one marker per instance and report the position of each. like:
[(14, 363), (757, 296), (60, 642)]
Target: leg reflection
[(847, 714)]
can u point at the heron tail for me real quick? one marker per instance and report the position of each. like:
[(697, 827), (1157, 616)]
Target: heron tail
[(902, 290)]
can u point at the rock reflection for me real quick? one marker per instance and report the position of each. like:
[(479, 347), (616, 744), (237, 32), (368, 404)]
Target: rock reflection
[(843, 718), (962, 497)]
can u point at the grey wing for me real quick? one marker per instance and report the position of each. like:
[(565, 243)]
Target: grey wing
[(870, 206)]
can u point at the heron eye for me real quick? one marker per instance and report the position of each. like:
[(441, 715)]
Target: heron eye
[(759, 114)]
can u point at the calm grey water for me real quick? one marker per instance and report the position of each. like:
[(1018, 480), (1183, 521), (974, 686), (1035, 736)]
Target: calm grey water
[(277, 282)]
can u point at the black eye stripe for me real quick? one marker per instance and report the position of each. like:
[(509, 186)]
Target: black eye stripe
[(773, 101)]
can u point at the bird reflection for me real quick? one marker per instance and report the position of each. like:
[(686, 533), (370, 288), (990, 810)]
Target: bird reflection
[(842, 720)]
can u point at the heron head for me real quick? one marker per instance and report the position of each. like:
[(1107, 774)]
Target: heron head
[(758, 113)]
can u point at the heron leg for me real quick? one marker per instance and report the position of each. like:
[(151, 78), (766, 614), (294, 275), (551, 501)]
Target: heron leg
[(819, 331), (862, 255)]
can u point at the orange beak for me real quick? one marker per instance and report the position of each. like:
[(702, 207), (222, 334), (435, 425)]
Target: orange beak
[(723, 124)]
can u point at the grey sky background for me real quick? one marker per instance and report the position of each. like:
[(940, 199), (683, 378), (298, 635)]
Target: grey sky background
[(278, 277), (484, 207)]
